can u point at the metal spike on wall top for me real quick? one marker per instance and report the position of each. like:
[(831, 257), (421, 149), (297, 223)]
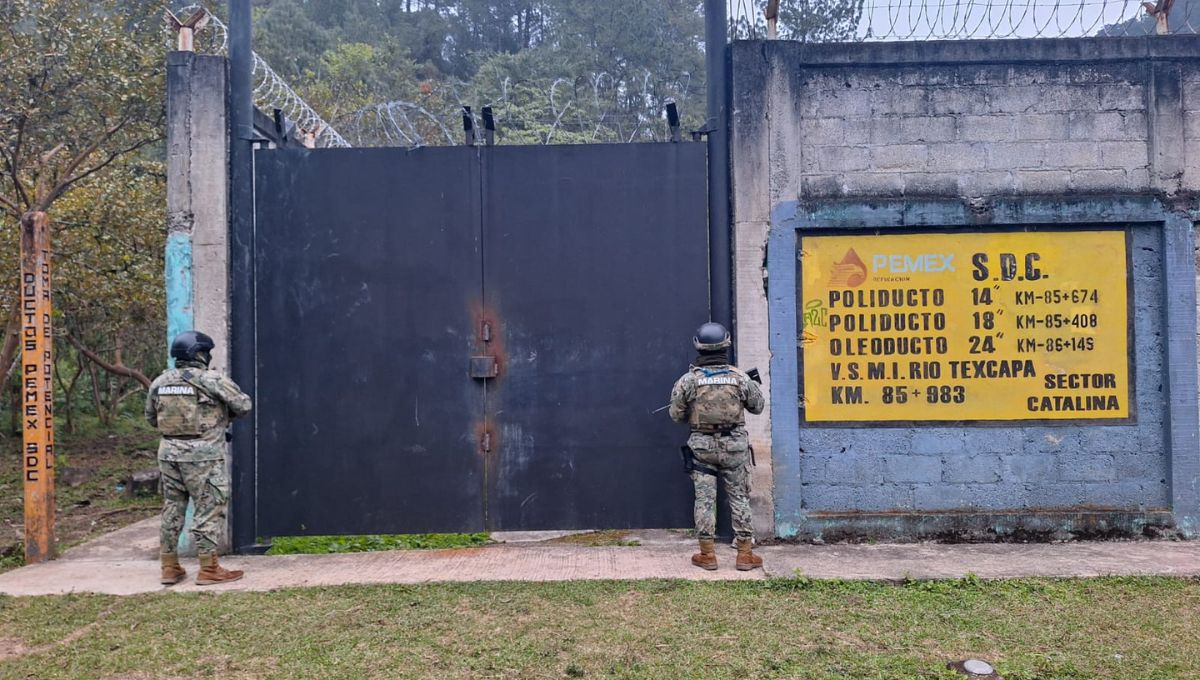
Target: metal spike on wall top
[(489, 126), (468, 126), (673, 121)]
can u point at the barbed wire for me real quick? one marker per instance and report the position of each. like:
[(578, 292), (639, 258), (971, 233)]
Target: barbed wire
[(598, 107), (880, 20), (594, 107), (270, 90)]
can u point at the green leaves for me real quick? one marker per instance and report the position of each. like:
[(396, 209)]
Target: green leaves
[(86, 75), (81, 114)]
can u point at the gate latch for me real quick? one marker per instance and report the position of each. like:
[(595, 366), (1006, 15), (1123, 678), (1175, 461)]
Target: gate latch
[(484, 367)]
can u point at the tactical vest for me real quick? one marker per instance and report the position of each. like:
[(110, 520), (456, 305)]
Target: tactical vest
[(718, 402), (185, 410)]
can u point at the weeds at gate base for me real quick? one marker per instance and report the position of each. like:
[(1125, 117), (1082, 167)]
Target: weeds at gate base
[(598, 539), (320, 545)]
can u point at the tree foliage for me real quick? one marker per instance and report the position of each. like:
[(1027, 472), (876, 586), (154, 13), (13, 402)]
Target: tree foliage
[(81, 88), (554, 71), (81, 117)]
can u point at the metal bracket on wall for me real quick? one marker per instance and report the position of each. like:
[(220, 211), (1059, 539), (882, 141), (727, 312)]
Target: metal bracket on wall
[(484, 366)]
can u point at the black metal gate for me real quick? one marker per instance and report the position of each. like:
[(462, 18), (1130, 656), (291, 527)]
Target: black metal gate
[(465, 339)]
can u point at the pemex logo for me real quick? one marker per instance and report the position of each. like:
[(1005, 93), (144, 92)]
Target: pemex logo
[(851, 272)]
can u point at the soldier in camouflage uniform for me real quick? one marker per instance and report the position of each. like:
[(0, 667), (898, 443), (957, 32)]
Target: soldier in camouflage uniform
[(192, 406), (712, 398)]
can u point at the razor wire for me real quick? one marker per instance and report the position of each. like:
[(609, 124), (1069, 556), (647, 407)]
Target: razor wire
[(270, 90), (916, 20), (593, 107), (601, 107), (589, 108)]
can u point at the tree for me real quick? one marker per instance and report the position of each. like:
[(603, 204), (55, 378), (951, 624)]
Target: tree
[(82, 90), (805, 20), (810, 21), (353, 75), (288, 38), (554, 71), (295, 35), (109, 291)]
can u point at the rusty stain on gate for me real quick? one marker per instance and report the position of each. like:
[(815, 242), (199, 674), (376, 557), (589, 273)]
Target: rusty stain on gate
[(486, 365)]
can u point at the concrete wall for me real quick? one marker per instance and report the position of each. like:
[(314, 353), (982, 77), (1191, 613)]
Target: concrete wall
[(198, 200), (882, 136), (197, 257)]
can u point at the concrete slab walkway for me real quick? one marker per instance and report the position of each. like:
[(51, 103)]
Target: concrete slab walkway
[(125, 563)]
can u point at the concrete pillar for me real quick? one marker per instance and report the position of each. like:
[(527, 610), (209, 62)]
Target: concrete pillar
[(1167, 124), (751, 224), (197, 255)]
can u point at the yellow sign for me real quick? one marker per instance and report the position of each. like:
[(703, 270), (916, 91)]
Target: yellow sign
[(964, 326)]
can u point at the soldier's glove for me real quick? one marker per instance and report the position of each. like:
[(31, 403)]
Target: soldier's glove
[(228, 435), (753, 375)]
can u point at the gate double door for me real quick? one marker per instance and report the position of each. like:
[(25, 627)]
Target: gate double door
[(469, 339)]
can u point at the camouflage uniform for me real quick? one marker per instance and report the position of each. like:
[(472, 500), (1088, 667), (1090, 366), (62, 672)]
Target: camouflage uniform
[(712, 400), (192, 406)]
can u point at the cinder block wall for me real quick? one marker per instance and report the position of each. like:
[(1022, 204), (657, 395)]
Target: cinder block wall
[(901, 134)]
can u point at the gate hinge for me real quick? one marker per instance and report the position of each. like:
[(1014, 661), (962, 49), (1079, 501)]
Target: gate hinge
[(485, 442)]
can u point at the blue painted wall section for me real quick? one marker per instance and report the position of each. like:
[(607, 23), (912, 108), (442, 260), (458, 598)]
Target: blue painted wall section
[(1179, 316), (180, 317), (180, 289), (828, 475)]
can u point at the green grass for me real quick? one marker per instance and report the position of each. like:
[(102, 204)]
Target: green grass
[(315, 545), (793, 628)]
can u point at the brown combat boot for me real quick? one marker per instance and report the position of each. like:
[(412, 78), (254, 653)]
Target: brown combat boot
[(707, 557), (172, 571), (746, 559), (212, 573)]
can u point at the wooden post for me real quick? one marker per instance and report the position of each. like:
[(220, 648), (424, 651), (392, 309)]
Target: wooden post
[(37, 388), (772, 15)]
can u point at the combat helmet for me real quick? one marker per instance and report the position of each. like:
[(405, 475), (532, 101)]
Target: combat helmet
[(711, 337), (192, 346)]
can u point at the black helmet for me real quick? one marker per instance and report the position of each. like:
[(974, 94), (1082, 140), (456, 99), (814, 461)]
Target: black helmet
[(192, 346), (711, 337)]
